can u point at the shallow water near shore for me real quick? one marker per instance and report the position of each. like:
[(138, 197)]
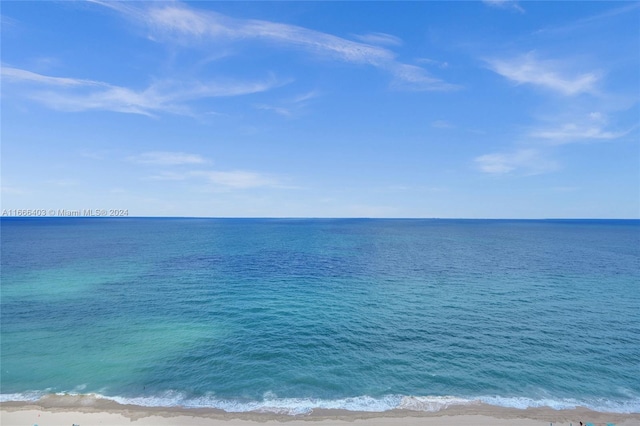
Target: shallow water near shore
[(291, 315)]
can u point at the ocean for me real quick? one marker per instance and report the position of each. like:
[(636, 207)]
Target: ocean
[(288, 315)]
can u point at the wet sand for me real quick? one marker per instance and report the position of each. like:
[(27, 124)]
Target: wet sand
[(85, 410)]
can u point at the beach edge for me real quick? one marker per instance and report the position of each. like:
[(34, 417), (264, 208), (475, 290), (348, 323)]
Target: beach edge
[(78, 411)]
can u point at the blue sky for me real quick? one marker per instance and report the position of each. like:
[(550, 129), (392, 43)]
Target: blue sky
[(323, 109)]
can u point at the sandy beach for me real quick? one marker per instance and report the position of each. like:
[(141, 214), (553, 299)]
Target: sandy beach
[(86, 410)]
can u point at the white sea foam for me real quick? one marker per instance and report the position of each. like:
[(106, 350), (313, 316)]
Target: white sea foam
[(21, 397), (270, 404), (597, 404), (301, 406), (523, 403), (432, 403)]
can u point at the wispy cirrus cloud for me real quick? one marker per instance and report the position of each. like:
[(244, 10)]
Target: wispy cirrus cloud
[(179, 23), (280, 110), (168, 96), (504, 4), (412, 77), (379, 39), (548, 74), (291, 106), (579, 128), (579, 90), (433, 62), (589, 21), (221, 179), (179, 20), (576, 132), (94, 155), (535, 155), (164, 158), (13, 190), (168, 175), (6, 22), (19, 75), (239, 179), (226, 180), (528, 161)]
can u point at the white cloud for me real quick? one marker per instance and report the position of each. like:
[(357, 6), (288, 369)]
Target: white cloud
[(169, 96), (528, 69), (567, 126), (19, 75), (528, 161), (572, 132), (304, 97), (285, 112), (504, 4), (94, 155), (434, 62), (237, 179), (168, 176), (589, 127), (116, 99), (12, 190), (182, 20), (226, 180), (379, 39), (164, 158), (412, 77), (591, 20), (289, 107), (6, 22), (597, 116), (179, 23)]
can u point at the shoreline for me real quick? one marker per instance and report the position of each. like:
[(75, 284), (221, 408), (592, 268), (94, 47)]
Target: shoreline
[(85, 410)]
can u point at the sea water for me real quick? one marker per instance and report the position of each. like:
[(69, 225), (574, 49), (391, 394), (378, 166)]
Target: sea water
[(291, 315)]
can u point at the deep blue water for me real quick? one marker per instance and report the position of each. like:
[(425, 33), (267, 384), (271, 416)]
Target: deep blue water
[(287, 315)]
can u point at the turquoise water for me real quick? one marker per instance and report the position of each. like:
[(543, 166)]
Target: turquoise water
[(289, 315)]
